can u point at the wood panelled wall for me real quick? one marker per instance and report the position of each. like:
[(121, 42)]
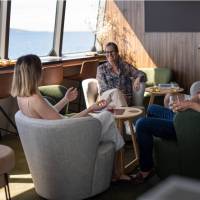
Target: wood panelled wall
[(175, 50)]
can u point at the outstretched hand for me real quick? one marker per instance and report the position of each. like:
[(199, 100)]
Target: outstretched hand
[(99, 105), (71, 94), (136, 84)]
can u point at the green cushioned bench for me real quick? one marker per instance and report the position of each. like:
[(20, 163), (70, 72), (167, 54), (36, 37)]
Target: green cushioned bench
[(156, 75)]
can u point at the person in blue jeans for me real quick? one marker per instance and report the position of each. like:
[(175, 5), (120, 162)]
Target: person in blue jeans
[(157, 123)]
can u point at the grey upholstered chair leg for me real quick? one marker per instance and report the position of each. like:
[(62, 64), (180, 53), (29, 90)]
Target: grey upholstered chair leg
[(7, 162), (6, 187)]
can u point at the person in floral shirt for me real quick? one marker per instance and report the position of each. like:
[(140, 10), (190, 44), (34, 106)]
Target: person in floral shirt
[(118, 80)]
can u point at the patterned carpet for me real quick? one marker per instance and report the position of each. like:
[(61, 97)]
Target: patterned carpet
[(22, 187)]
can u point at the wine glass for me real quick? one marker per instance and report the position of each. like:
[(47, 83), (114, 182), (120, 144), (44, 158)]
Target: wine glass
[(174, 86), (187, 97), (174, 98)]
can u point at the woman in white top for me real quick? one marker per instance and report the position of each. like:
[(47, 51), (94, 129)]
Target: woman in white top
[(26, 79)]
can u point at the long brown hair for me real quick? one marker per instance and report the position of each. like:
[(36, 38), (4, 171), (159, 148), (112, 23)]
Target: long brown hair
[(27, 75)]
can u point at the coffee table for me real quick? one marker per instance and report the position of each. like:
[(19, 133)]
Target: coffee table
[(156, 91), (129, 114)]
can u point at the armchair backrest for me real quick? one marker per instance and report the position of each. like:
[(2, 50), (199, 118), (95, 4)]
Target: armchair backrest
[(90, 90), (61, 154), (187, 128), (157, 75)]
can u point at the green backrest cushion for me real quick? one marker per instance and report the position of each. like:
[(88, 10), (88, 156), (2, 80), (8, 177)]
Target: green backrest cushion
[(157, 75), (162, 75), (54, 93)]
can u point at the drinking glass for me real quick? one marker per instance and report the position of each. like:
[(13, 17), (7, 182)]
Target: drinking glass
[(177, 98), (183, 97), (174, 86), (172, 99), (187, 97)]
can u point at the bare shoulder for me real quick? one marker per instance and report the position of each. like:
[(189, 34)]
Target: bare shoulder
[(36, 102), (42, 108), (36, 98), (31, 105), (30, 99)]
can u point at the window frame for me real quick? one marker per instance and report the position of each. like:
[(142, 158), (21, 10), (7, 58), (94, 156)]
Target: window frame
[(5, 8), (58, 29), (101, 4), (56, 51)]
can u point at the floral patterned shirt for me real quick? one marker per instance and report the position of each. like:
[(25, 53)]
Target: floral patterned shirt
[(123, 81)]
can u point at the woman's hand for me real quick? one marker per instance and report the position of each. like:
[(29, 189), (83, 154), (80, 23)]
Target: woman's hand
[(136, 84), (98, 106), (71, 94)]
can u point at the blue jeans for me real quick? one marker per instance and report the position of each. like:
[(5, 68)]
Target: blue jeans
[(157, 123)]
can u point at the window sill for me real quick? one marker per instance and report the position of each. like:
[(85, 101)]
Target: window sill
[(68, 58)]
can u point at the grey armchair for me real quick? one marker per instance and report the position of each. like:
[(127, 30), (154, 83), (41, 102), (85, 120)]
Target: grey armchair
[(65, 157), (180, 156)]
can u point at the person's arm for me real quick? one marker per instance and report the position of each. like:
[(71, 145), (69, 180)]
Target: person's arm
[(136, 83), (138, 76), (101, 78), (195, 106), (70, 95), (196, 98), (184, 105), (95, 107)]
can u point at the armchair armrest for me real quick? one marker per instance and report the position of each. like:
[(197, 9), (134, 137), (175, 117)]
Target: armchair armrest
[(187, 125)]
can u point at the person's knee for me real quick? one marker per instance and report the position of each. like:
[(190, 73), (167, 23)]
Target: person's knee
[(150, 108), (154, 108), (117, 91), (142, 130)]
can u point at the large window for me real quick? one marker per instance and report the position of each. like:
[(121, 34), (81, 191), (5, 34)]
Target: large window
[(31, 27), (80, 25)]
